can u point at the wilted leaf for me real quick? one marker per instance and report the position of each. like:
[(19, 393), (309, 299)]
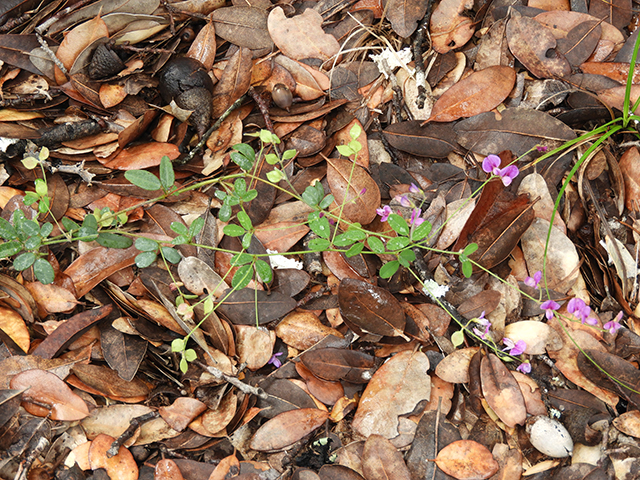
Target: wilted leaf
[(630, 167)]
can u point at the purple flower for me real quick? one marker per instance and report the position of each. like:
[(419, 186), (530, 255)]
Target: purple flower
[(404, 201), (363, 191), (384, 212), (414, 188), (542, 148), (415, 217), (516, 348), (491, 164), (275, 361), (614, 324), (524, 367), (577, 307), (533, 281), (484, 323), (550, 306)]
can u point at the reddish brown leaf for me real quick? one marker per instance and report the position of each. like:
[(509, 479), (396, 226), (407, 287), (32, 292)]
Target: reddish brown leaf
[(203, 47), (502, 392), (479, 92), (630, 167), (143, 156), (234, 83), (335, 364), (467, 460), (121, 466), (354, 188), (450, 27), (287, 428), (166, 469), (50, 396), (381, 460)]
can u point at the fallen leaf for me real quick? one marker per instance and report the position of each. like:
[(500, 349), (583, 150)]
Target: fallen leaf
[(467, 460)]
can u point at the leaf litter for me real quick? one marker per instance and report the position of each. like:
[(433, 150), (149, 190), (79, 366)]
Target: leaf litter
[(387, 345)]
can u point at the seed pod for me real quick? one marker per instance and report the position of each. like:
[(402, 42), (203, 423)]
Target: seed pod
[(549, 436), (282, 96), (104, 63), (201, 102), (182, 74)]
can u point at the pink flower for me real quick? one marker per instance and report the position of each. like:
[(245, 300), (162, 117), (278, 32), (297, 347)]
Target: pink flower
[(549, 307), (491, 164), (542, 148), (484, 323), (275, 361), (577, 307), (524, 367), (414, 188), (384, 212), (404, 201), (614, 324), (363, 191), (516, 348), (415, 217), (533, 281)]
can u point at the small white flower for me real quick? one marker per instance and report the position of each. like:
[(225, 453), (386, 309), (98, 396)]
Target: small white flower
[(434, 290), (280, 261)]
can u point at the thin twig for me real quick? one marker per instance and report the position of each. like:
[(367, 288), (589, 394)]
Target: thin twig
[(421, 76), (236, 382), (134, 423), (264, 108)]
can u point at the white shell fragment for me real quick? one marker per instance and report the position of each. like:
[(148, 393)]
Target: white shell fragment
[(549, 436)]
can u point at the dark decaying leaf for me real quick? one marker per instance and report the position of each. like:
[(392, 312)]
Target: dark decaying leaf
[(515, 129), (336, 364), (352, 186), (370, 309), (240, 306), (243, 26), (287, 428), (123, 352), (432, 140), (404, 16), (283, 395), (616, 12), (618, 368), (580, 42)]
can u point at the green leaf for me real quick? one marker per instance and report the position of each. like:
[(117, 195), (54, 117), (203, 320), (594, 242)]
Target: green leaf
[(167, 177), (243, 162), (469, 249), (41, 187), (375, 244), (345, 150), (220, 194), (467, 269), (69, 225), (240, 186), (7, 231), (190, 354), (457, 338), (179, 228), (407, 255), (145, 259), (319, 244), (389, 269), (87, 234), (43, 205), (32, 243), (9, 249), (245, 149), (421, 231), (24, 261), (355, 233), (271, 158), (30, 228), (143, 179), (208, 305), (319, 225), (264, 271), (113, 240), (355, 249), (30, 163), (242, 277), (244, 220), (398, 224), (275, 175), (146, 244), (356, 131), (342, 240), (178, 345), (43, 271), (90, 221), (289, 154), (30, 198), (312, 195), (250, 195), (246, 240), (224, 214), (46, 229), (184, 365), (196, 227), (171, 255), (241, 259), (180, 240), (398, 243), (233, 230), (326, 201)]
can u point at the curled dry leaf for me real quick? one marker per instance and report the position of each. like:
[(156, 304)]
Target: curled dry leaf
[(45, 388), (630, 167), (395, 389), (76, 41), (52, 298), (449, 28), (182, 412), (454, 368), (478, 93), (467, 460), (203, 47), (302, 329), (301, 36), (12, 324), (287, 428)]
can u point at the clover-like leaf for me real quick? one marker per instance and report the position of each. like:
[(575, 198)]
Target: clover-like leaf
[(143, 179)]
